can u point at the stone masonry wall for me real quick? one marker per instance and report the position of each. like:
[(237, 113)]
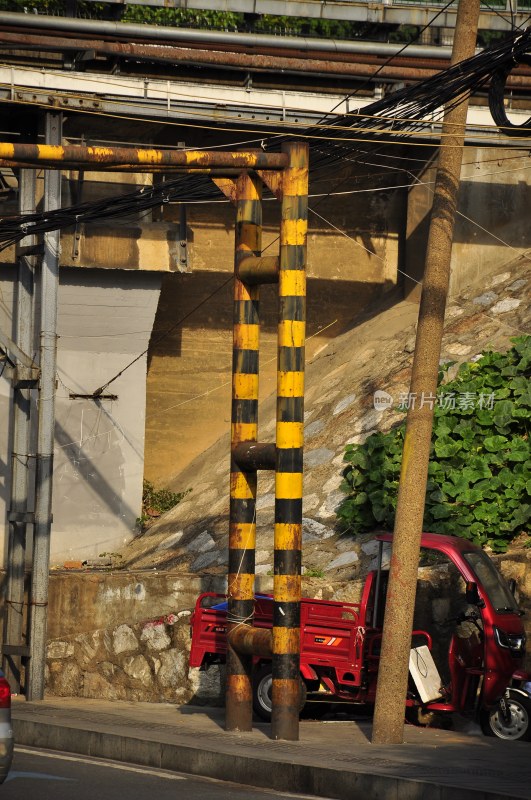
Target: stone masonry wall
[(148, 660)]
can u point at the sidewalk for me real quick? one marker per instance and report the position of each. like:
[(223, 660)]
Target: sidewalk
[(333, 759)]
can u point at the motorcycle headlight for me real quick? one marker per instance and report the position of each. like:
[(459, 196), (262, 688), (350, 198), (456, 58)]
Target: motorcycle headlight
[(515, 642)]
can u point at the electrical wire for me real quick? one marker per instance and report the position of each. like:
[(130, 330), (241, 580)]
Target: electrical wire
[(162, 336), (395, 55)]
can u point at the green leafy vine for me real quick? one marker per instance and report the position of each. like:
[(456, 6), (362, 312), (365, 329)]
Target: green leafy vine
[(479, 477)]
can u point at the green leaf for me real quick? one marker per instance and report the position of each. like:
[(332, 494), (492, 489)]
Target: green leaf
[(441, 511), (503, 413), (471, 496), (494, 443), (446, 447)]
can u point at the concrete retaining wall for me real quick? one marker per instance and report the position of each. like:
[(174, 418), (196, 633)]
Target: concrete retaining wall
[(107, 641)]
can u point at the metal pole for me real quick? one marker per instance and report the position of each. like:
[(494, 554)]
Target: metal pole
[(18, 520), (45, 439), (242, 520), (289, 442), (398, 623)]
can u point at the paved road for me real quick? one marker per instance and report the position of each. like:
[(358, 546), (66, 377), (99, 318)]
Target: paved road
[(49, 775)]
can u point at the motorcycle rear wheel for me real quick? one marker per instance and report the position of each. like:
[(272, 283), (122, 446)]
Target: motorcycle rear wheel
[(518, 728)]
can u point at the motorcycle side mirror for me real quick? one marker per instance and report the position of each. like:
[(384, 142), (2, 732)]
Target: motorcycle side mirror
[(472, 594)]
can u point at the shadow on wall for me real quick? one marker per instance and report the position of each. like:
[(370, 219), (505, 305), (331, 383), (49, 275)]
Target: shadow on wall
[(80, 474), (203, 300), (500, 213)]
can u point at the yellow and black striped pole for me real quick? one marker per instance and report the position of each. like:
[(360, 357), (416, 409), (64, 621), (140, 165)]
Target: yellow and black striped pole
[(289, 444), (242, 522)]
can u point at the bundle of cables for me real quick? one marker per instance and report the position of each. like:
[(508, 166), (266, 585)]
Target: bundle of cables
[(497, 94), (399, 112)]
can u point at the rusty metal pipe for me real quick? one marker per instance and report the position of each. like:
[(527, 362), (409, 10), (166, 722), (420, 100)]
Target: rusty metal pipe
[(244, 429), (255, 455), (250, 641), (72, 154), (130, 31), (256, 270), (289, 445)]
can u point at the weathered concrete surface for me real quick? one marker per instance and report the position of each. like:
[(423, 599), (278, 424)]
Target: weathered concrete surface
[(333, 759), (105, 320), (493, 197), (190, 370)]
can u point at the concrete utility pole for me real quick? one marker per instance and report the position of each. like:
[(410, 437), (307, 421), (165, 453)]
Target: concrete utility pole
[(398, 623), (49, 288)]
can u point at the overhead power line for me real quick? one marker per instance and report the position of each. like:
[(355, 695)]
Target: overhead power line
[(392, 118)]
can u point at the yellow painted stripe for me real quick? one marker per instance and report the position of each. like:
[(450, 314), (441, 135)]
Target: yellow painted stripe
[(247, 337), (149, 156), (51, 151), (250, 233), (286, 640), (293, 231), (245, 432), (242, 485), (286, 692), (288, 485), (291, 333), (295, 181), (242, 535), (240, 686), (244, 292), (288, 536), (292, 282), (7, 150), (290, 384), (287, 588), (248, 189), (290, 434), (241, 586), (244, 386)]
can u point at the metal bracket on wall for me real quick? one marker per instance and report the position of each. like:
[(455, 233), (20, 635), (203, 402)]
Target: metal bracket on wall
[(74, 396), (14, 354), (21, 516), (183, 241), (26, 377), (16, 650)]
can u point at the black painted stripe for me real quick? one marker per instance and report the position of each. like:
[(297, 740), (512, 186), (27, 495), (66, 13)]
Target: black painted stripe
[(246, 312), (241, 561), (290, 459), (252, 218), (289, 511), (292, 307), (242, 510), (291, 359), (240, 607), (287, 666), (297, 209), (244, 410), (290, 616), (245, 361), (292, 257), (287, 562), (290, 409)]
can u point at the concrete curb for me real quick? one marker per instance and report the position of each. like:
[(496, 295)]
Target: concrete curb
[(265, 772)]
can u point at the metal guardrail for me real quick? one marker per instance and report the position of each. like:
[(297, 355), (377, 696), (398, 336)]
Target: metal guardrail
[(385, 11)]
